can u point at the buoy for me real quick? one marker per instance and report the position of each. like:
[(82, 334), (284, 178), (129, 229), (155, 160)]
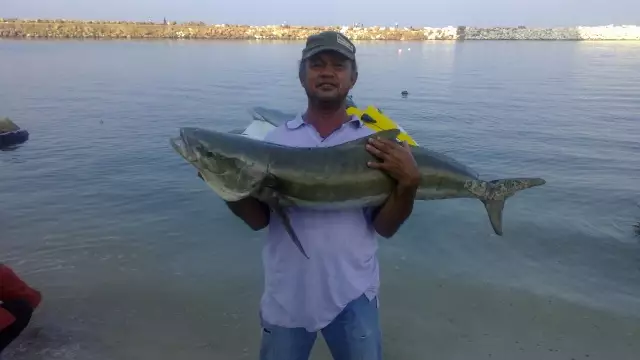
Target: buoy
[(405, 93)]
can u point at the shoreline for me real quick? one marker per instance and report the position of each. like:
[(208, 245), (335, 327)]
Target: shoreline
[(77, 29), (450, 316)]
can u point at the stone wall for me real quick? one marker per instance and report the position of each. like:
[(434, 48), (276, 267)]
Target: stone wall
[(15, 28), (624, 32), (113, 29)]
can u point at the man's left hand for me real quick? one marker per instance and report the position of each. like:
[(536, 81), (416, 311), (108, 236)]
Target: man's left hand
[(396, 160)]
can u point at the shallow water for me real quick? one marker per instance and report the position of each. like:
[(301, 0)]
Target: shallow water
[(126, 243)]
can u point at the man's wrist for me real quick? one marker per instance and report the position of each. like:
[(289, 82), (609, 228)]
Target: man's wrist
[(406, 189), (409, 185)]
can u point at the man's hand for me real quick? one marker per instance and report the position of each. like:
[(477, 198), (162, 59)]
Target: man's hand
[(397, 161)]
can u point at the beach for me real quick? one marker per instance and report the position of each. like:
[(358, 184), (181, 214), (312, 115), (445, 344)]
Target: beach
[(450, 318)]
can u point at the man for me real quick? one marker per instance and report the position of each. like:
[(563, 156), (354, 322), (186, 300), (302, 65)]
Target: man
[(17, 302), (335, 291)]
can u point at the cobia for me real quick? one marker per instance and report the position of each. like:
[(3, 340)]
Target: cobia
[(237, 166)]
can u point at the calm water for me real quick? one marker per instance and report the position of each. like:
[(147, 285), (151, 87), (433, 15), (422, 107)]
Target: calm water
[(126, 242)]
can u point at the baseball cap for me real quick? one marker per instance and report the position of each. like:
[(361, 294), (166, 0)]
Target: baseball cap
[(329, 41)]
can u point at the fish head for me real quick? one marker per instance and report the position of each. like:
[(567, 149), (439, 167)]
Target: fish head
[(202, 148), (221, 161)]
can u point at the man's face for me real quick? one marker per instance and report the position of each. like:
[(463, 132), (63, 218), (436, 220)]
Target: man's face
[(328, 77)]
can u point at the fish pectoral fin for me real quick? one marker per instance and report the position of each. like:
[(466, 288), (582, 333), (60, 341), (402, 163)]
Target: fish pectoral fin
[(266, 192), (273, 199), (287, 225)]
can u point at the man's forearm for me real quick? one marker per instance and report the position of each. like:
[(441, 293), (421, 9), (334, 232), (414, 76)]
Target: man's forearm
[(251, 211), (395, 211)]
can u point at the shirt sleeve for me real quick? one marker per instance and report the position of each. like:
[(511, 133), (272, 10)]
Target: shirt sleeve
[(370, 213)]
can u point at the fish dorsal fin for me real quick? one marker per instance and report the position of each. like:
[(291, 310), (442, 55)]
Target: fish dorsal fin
[(390, 134)]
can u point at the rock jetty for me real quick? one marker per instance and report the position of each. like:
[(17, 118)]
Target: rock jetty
[(609, 32), (56, 29)]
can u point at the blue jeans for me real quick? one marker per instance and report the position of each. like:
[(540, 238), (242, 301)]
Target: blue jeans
[(353, 335)]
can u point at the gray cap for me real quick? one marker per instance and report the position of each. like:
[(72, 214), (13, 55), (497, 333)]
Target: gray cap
[(329, 41)]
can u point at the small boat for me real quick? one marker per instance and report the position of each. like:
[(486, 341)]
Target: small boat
[(11, 134)]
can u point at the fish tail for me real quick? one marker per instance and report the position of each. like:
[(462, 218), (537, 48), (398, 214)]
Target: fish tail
[(494, 194)]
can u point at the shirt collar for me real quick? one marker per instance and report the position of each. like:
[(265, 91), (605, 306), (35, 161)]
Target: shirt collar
[(299, 122)]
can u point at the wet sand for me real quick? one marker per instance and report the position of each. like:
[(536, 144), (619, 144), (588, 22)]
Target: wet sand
[(437, 318), (459, 320)]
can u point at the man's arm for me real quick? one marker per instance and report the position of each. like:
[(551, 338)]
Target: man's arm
[(253, 212), (394, 212), (397, 162)]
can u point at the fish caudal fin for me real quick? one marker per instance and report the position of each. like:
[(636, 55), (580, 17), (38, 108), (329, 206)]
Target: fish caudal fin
[(494, 194)]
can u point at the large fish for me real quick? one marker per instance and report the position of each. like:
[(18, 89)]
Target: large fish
[(237, 166)]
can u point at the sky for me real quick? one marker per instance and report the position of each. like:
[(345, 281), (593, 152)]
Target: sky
[(417, 13)]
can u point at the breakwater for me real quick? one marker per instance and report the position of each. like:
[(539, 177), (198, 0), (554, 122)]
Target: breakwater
[(17, 28)]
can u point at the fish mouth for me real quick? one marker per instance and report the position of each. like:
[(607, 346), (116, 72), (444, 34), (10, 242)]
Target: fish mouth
[(183, 146)]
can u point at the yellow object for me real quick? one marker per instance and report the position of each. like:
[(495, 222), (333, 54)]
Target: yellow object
[(377, 121)]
